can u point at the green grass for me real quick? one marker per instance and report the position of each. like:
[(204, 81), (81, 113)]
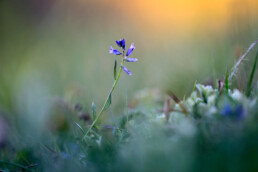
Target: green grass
[(219, 133), (249, 85)]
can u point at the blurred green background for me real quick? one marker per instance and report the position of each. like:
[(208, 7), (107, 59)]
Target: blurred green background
[(58, 49)]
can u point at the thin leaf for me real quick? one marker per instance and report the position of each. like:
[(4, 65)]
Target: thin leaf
[(226, 81), (241, 59), (249, 85), (108, 102), (205, 99), (115, 69), (49, 149), (13, 164), (194, 85), (178, 101), (32, 165), (174, 97), (79, 127), (55, 144), (93, 107), (202, 93)]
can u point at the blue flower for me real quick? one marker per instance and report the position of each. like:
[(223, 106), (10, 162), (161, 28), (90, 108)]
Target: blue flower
[(130, 50), (240, 112), (66, 155), (237, 113), (131, 59), (227, 111), (126, 70), (114, 51), (121, 43)]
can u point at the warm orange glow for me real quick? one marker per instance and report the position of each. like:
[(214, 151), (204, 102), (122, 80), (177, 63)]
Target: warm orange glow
[(183, 15)]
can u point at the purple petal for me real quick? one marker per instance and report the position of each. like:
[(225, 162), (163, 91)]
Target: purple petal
[(240, 112), (227, 111), (114, 51), (126, 70), (130, 50), (121, 43), (131, 59)]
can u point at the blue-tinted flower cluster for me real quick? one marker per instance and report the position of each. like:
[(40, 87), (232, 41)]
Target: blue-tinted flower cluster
[(238, 112), (121, 43)]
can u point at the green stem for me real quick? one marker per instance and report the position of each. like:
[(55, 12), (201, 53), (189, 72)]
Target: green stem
[(110, 92)]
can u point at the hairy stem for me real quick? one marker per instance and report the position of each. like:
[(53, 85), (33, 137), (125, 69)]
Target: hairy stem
[(110, 92), (235, 68)]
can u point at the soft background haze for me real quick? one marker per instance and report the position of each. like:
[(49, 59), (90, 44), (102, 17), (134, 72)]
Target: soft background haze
[(59, 48)]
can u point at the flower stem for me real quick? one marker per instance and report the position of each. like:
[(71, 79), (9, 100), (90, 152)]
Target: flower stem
[(110, 92)]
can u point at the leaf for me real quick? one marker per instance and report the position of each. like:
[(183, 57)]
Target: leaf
[(249, 85), (178, 101), (226, 82), (194, 85), (24, 168), (79, 127), (202, 92), (174, 97), (205, 99), (48, 148), (93, 107), (241, 59), (115, 69), (108, 102)]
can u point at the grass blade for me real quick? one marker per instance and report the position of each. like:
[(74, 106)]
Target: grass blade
[(13, 164), (226, 82), (178, 101), (79, 127), (241, 59), (49, 149), (194, 85), (249, 85)]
